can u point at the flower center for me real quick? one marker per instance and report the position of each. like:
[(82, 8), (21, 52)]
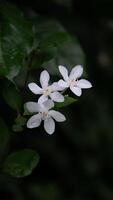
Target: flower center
[(44, 115), (46, 91), (72, 82)]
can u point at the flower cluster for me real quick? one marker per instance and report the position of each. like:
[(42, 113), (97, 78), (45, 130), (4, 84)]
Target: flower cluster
[(42, 109)]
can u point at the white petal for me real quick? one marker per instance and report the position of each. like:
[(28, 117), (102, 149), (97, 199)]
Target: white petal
[(44, 78), (76, 90), (49, 125), (62, 84), (41, 107), (55, 87), (35, 88), (32, 107), (42, 99), (64, 72), (84, 84), (59, 117), (76, 72), (56, 96), (34, 121), (48, 104)]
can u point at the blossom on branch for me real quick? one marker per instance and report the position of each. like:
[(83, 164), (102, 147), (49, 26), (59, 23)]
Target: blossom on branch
[(44, 114), (72, 81), (46, 90)]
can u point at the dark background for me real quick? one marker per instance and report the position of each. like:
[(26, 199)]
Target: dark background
[(76, 163)]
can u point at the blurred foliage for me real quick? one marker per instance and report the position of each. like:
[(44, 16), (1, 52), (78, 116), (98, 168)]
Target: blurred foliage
[(44, 192), (67, 101), (67, 3), (77, 161), (33, 42), (12, 96), (4, 138), (16, 40), (21, 163), (20, 121)]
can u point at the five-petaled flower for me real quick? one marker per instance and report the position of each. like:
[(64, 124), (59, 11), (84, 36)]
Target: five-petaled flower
[(42, 109), (71, 81), (44, 114), (46, 90)]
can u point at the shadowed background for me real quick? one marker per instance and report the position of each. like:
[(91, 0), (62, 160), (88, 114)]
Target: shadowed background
[(76, 162)]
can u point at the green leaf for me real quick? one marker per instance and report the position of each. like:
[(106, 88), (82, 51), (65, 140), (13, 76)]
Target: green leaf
[(67, 101), (43, 191), (42, 56), (66, 3), (17, 128), (4, 137), (50, 35), (55, 39), (20, 120), (16, 40), (19, 123), (21, 163), (68, 54), (12, 96), (49, 30)]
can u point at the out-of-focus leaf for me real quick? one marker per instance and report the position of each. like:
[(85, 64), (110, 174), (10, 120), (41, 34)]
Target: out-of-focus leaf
[(67, 3), (55, 39), (12, 96), (67, 101), (16, 40), (4, 137), (55, 46), (21, 163), (46, 27), (17, 128), (50, 35), (19, 123), (45, 192), (68, 54), (42, 56), (20, 120)]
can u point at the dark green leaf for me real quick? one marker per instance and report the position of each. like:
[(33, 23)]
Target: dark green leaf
[(16, 40), (17, 128), (67, 101), (21, 163), (20, 120), (19, 123), (43, 56), (50, 35), (12, 96), (49, 30), (68, 54), (55, 39), (4, 137), (66, 3), (45, 191)]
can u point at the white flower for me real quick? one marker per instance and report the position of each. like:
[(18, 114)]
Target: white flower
[(46, 90), (71, 81), (44, 114)]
